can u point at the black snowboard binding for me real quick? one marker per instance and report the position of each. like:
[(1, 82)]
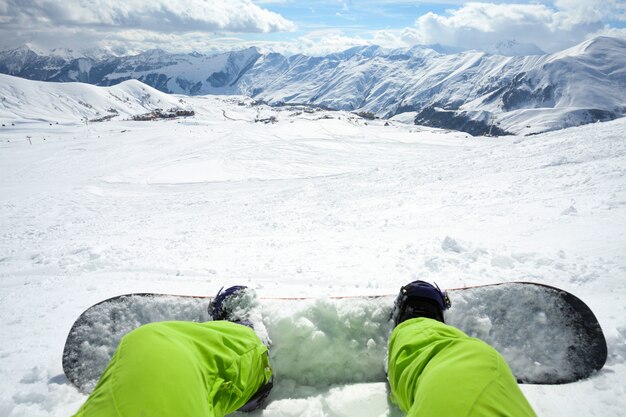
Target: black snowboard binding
[(420, 299), (232, 304)]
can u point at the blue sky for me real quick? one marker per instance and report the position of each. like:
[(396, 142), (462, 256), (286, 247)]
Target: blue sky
[(395, 14), (311, 27), (350, 14)]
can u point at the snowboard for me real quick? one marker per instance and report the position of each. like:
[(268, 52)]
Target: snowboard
[(547, 335)]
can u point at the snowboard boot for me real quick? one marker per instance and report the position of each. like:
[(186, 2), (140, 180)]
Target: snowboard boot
[(232, 304), (258, 399), (420, 299), (240, 305)]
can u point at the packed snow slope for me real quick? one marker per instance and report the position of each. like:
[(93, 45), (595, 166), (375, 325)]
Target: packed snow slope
[(473, 91), (316, 204)]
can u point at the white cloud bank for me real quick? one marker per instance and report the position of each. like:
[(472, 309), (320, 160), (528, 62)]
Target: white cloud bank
[(155, 15), (481, 24), (111, 21), (216, 25)]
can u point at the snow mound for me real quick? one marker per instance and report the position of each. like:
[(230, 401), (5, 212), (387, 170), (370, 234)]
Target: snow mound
[(25, 100)]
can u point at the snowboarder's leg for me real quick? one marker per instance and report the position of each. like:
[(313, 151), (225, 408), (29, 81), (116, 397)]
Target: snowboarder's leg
[(437, 370), (181, 369)]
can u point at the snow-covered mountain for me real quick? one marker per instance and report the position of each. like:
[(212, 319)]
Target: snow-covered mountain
[(26, 100), (472, 91), (191, 74), (476, 92)]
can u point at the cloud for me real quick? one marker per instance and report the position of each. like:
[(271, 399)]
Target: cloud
[(477, 25), (324, 42), (219, 25), (132, 25), (155, 15), (480, 25), (593, 10), (612, 32), (316, 43)]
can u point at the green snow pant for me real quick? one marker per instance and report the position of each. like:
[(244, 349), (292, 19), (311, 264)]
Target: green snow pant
[(181, 369), (436, 370)]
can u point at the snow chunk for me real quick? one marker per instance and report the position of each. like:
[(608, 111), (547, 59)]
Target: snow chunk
[(570, 211), (451, 245)]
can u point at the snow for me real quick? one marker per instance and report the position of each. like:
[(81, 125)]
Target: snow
[(25, 101), (317, 204)]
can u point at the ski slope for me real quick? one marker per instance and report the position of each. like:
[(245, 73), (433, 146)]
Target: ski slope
[(316, 204)]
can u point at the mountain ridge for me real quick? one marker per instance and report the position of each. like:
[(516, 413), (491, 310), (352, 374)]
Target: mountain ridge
[(474, 91)]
